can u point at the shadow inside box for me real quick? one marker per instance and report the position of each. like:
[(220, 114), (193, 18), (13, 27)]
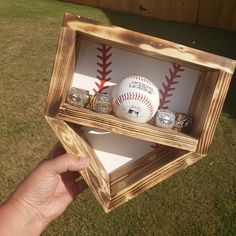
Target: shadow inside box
[(118, 152), (115, 150)]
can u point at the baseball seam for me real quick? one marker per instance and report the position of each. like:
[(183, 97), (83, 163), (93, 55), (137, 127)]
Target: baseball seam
[(134, 96), (168, 85), (104, 63)]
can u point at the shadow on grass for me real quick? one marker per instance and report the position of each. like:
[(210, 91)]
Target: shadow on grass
[(230, 101), (213, 40)]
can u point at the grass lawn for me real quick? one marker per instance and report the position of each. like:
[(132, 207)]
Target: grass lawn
[(197, 201)]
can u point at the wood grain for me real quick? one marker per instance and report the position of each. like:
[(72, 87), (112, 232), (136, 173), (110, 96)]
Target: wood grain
[(111, 123), (218, 13), (206, 107), (215, 107), (62, 71), (201, 100)]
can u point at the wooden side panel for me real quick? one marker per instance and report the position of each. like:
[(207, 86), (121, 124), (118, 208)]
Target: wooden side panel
[(218, 13), (135, 171), (214, 111), (111, 123), (63, 70), (95, 175), (201, 101), (207, 105), (153, 178)]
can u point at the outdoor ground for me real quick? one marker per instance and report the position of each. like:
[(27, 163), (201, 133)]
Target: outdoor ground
[(197, 201)]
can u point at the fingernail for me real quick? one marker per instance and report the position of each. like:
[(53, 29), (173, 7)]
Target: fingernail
[(84, 161)]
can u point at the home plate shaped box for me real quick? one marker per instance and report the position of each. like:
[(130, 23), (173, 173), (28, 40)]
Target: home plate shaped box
[(127, 158)]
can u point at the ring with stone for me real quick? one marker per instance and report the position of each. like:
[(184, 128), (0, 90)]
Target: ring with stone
[(165, 118), (101, 103), (78, 97), (182, 120)]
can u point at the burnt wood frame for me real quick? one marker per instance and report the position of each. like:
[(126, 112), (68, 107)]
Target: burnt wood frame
[(177, 150)]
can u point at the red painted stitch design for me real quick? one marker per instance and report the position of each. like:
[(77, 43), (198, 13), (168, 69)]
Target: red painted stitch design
[(133, 96), (168, 86), (103, 72)]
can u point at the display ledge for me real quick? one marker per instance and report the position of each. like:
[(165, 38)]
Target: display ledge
[(148, 132)]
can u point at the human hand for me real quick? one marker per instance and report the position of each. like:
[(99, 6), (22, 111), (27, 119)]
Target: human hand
[(48, 190)]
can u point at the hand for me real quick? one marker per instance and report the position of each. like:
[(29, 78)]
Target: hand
[(48, 190)]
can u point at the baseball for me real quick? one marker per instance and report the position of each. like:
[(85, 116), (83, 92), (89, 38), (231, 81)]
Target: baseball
[(136, 99)]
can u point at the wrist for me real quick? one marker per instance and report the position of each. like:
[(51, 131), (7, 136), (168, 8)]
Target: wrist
[(18, 219)]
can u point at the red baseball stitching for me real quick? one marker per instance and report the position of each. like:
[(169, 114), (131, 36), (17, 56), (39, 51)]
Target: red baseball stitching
[(103, 72), (133, 96), (168, 86)]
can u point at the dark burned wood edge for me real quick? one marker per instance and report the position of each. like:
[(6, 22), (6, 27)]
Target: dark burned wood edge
[(61, 70), (214, 112), (200, 104), (204, 60)]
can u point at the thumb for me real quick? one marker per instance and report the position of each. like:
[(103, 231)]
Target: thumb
[(64, 163)]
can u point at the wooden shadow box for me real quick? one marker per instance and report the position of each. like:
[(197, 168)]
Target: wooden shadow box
[(127, 158)]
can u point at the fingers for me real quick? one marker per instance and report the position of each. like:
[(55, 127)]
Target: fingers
[(56, 150), (64, 163)]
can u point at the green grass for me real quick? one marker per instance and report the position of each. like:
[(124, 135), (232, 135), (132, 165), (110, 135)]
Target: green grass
[(198, 201)]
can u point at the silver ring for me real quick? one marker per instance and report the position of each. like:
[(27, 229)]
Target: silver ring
[(78, 97), (165, 118)]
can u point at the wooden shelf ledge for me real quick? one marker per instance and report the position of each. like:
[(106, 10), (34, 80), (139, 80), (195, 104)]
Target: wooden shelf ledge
[(148, 132)]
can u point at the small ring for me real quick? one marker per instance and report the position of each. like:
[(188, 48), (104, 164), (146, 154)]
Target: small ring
[(182, 120), (78, 97), (101, 103), (165, 118)]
